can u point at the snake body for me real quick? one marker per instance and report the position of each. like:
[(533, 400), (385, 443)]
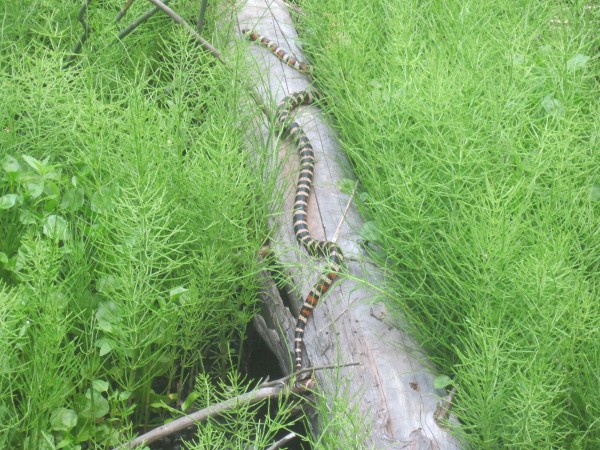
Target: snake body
[(278, 51), (314, 247)]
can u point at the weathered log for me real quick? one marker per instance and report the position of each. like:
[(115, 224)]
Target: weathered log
[(393, 387)]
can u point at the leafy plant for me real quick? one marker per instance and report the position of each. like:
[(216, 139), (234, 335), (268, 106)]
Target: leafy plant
[(246, 425), (128, 226), (473, 126)]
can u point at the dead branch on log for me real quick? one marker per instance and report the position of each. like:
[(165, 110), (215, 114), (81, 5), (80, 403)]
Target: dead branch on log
[(442, 413), (337, 230), (306, 370), (138, 21), (178, 19), (82, 38), (281, 442), (265, 391), (209, 48), (123, 10)]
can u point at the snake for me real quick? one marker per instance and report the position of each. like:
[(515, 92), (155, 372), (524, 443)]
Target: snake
[(314, 247)]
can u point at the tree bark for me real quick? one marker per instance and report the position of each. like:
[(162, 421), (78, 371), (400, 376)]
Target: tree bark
[(393, 387)]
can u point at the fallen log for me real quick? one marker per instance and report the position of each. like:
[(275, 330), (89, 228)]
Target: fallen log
[(392, 388)]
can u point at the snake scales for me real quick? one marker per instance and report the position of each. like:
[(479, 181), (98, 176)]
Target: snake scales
[(306, 173)]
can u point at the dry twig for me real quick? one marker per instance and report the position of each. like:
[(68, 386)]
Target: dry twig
[(337, 230), (177, 18), (139, 20), (82, 38), (281, 442), (209, 48), (123, 10), (265, 391)]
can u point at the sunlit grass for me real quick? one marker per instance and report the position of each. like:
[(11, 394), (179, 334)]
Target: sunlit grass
[(130, 224), (473, 128)]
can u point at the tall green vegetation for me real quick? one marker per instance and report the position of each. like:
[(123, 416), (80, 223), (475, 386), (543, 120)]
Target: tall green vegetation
[(129, 224), (474, 130)]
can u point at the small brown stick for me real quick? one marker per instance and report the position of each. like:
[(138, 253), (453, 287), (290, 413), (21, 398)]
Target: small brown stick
[(283, 380), (82, 38), (123, 10), (337, 230), (209, 48), (264, 391), (281, 442), (177, 18), (210, 411), (139, 20), (442, 412)]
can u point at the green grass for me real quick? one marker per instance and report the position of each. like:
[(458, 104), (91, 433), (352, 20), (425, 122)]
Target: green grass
[(130, 215), (130, 224), (474, 130), (131, 218)]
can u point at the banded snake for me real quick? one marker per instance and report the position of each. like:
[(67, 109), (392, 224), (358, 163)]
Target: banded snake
[(314, 247)]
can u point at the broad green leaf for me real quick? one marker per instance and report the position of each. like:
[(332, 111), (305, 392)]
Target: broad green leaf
[(27, 217), (63, 419), (3, 258), (552, 105), (442, 381), (159, 405), (103, 201), (95, 405), (55, 227), (67, 443), (100, 385), (11, 164), (577, 62), (51, 189), (107, 315), (176, 292), (85, 432), (369, 232), (72, 199), (35, 164), (105, 347), (47, 443), (8, 201), (34, 186), (51, 204), (189, 401), (106, 284)]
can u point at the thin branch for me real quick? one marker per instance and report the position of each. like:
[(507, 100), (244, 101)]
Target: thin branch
[(291, 6), (123, 10), (177, 18), (201, 16), (442, 412), (337, 230), (213, 51), (140, 20), (282, 381), (210, 411), (82, 38), (263, 392), (281, 442)]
